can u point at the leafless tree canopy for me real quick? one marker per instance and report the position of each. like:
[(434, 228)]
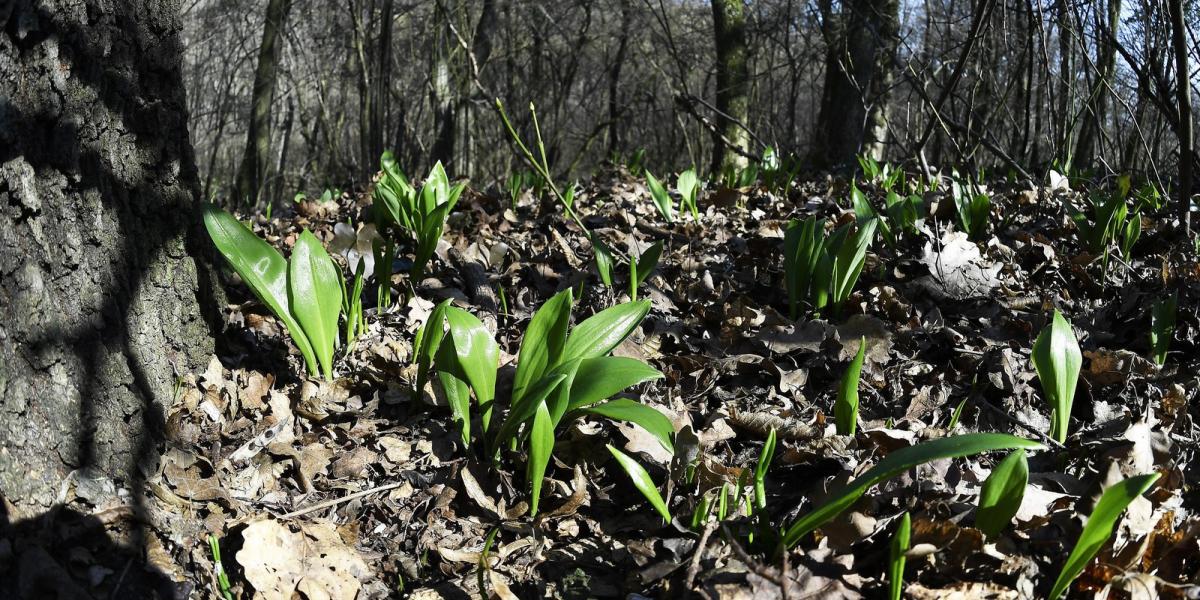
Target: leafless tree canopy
[(989, 83)]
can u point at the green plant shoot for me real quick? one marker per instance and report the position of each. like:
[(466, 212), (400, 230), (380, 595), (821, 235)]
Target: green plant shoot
[(896, 556), (1057, 359), (845, 408), (1002, 493)]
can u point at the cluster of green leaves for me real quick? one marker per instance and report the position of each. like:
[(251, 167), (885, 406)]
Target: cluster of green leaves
[(1057, 359), (1108, 221), (352, 306), (900, 214), (418, 214), (1162, 326), (820, 269), (879, 173), (561, 375), (973, 205), (728, 503), (519, 181), (305, 292)]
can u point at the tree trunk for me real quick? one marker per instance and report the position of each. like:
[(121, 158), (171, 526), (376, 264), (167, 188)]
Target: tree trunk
[(99, 213), (886, 14), (1097, 104), (853, 44), (1183, 95), (614, 80), (258, 135), (733, 103)]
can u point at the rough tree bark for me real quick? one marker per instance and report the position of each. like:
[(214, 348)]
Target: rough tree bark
[(98, 219), (258, 137), (733, 99), (1097, 100), (1183, 95), (859, 69)]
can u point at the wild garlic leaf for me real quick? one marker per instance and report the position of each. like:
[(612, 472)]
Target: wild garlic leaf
[(662, 200), (601, 377), (1099, 528), (603, 331), (542, 345), (845, 408), (604, 261), (1002, 493), (478, 357), (1057, 359), (541, 447), (641, 481), (455, 388), (897, 558), (315, 295), (646, 417), (898, 462), (263, 269), (647, 262)]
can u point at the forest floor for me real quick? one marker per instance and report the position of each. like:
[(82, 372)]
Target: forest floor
[(356, 488)]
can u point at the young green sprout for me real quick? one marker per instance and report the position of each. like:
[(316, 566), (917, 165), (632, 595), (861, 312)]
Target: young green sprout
[(897, 558), (305, 293), (1162, 327), (688, 186), (641, 266), (1099, 528), (662, 200), (1057, 359), (820, 269), (760, 471), (1002, 493), (845, 408)]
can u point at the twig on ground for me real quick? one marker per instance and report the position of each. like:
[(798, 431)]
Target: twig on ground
[(337, 501)]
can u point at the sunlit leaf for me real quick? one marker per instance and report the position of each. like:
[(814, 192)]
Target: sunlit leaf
[(315, 296), (263, 269), (646, 417), (541, 447), (896, 463), (845, 408), (1099, 528), (543, 342), (641, 481), (897, 558), (1057, 359), (1001, 494), (603, 331)]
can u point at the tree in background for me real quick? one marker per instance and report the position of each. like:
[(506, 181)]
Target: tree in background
[(733, 100), (250, 182)]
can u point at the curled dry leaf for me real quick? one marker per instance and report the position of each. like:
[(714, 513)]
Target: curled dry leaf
[(280, 560)]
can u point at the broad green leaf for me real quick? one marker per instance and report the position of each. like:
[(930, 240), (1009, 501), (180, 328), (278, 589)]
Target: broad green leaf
[(263, 269), (478, 356), (662, 200), (1099, 528), (862, 207), (521, 413), (641, 481), (896, 463), (1002, 493), (686, 184), (600, 377), (455, 388), (604, 261), (543, 342), (1162, 326), (315, 295), (648, 261), (897, 558), (646, 417), (845, 408), (603, 331), (1057, 360), (429, 338), (803, 246), (541, 447)]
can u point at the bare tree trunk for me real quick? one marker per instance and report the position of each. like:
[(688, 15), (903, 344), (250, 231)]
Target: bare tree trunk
[(258, 136), (99, 213), (1183, 95), (733, 104), (614, 80), (853, 39), (443, 99), (1097, 101), (886, 14)]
